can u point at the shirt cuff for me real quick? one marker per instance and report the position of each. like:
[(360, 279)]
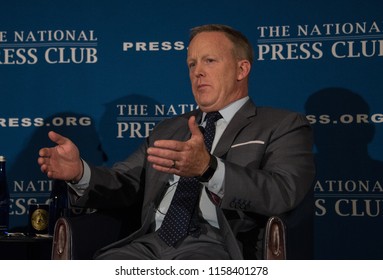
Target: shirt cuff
[(83, 184), (215, 184)]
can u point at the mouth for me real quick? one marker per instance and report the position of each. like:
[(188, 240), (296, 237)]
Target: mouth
[(202, 86)]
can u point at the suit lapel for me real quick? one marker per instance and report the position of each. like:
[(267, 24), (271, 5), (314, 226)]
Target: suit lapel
[(240, 120)]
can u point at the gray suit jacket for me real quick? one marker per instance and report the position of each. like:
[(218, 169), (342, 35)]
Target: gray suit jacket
[(268, 162)]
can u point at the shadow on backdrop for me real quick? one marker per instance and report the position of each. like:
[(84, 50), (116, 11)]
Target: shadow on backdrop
[(32, 185), (348, 189), (125, 123)]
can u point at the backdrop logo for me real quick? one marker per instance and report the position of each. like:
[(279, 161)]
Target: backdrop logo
[(138, 120), (29, 192), (350, 118), (337, 40), (62, 121), (153, 46), (50, 46), (349, 198)]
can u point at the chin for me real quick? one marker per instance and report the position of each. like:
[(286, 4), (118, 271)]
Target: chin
[(207, 109)]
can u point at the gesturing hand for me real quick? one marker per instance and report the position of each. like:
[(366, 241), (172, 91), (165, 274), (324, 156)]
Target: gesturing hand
[(187, 159), (61, 162)]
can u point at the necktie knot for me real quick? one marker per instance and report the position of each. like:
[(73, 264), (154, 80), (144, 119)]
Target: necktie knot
[(213, 116)]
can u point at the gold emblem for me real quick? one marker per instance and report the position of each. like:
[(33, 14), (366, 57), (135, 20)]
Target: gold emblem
[(39, 219)]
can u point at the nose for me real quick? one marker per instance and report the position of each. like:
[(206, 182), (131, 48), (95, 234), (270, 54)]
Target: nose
[(198, 71)]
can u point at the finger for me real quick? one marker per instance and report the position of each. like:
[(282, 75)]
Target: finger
[(166, 169), (50, 174), (44, 165), (193, 127), (57, 138), (44, 152), (44, 168), (172, 145), (41, 161), (164, 162)]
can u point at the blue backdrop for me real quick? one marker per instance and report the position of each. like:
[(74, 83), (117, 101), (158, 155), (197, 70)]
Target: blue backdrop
[(105, 72)]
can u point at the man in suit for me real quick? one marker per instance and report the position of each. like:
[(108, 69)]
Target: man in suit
[(260, 163)]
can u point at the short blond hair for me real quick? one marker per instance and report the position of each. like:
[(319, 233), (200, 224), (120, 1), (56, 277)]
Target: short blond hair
[(242, 46)]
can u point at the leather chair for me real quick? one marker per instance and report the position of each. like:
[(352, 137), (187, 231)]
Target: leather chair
[(289, 236)]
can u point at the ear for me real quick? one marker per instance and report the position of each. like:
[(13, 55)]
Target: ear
[(244, 67)]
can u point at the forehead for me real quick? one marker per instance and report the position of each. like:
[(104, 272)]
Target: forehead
[(208, 43)]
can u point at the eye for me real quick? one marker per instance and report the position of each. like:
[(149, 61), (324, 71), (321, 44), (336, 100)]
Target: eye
[(191, 65)]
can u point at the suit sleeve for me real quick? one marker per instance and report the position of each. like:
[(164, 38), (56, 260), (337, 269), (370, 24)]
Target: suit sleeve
[(272, 178), (115, 187)]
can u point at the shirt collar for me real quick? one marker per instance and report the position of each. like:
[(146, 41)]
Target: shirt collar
[(229, 111)]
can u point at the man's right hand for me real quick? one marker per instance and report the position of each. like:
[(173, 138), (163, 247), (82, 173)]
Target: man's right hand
[(63, 161)]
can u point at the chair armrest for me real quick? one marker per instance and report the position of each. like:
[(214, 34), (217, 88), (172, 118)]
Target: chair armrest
[(80, 237), (275, 239)]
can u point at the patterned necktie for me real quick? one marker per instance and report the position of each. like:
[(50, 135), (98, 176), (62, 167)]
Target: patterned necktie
[(175, 225)]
